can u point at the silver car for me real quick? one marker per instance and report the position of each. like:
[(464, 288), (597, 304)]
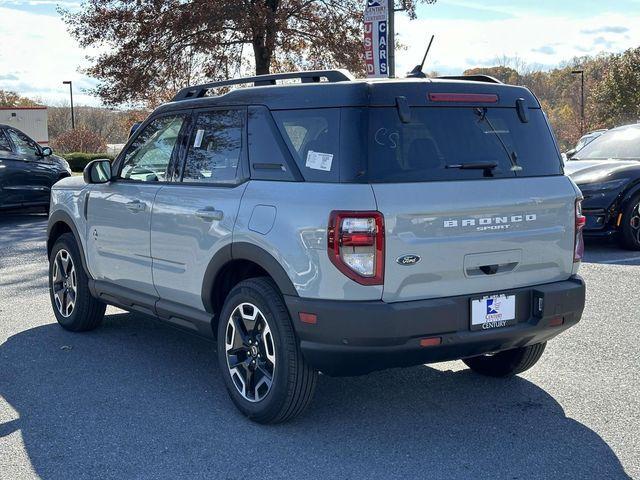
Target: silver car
[(334, 225)]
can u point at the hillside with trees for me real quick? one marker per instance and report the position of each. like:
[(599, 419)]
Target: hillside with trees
[(612, 91)]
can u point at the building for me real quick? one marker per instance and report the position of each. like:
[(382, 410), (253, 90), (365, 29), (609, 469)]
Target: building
[(31, 120)]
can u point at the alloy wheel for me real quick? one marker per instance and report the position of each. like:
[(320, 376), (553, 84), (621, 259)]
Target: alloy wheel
[(250, 352), (65, 283)]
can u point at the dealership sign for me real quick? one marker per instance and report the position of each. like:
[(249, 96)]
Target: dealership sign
[(375, 38)]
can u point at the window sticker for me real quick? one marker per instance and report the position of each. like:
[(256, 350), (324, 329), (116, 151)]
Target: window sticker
[(197, 142), (319, 161)]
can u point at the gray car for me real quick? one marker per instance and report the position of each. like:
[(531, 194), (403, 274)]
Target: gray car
[(334, 225)]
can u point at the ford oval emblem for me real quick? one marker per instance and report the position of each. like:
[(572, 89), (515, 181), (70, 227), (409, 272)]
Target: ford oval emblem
[(408, 259)]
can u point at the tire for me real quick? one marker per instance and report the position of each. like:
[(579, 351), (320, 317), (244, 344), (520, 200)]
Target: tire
[(630, 231), (507, 363), (69, 281), (279, 384)]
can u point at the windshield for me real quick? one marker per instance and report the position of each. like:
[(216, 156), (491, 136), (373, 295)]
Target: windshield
[(619, 144), (459, 143)]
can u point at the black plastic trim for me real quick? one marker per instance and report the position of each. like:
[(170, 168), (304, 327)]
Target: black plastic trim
[(177, 314), (352, 338), (60, 216), (219, 260), (249, 251)]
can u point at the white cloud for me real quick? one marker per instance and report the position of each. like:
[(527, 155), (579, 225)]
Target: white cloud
[(537, 40), (37, 54)]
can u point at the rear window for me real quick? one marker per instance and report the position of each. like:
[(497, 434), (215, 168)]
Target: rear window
[(438, 140)]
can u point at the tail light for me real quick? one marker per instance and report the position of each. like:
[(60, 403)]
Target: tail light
[(355, 243), (581, 221), (464, 97)]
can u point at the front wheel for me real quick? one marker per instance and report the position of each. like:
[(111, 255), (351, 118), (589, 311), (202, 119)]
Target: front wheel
[(507, 363), (630, 225), (73, 305), (265, 374)]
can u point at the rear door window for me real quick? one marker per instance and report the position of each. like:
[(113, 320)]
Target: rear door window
[(313, 137), (215, 147), (438, 140)]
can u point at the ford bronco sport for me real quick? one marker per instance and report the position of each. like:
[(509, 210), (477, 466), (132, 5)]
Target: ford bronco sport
[(330, 225)]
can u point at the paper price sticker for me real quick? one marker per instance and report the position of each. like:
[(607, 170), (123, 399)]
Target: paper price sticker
[(319, 161)]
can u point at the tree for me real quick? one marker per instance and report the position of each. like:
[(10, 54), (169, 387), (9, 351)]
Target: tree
[(80, 139), (617, 96), (12, 99), (154, 47)]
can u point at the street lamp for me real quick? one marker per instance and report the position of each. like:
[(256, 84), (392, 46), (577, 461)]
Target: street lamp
[(73, 120), (581, 73)]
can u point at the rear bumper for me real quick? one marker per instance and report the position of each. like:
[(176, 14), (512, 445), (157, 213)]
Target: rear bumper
[(352, 338)]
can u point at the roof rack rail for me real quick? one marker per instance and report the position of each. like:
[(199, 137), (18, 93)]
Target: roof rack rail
[(473, 78), (309, 76)]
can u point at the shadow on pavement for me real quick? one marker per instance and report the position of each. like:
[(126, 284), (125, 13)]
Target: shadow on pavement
[(609, 252), (136, 398), (23, 256)]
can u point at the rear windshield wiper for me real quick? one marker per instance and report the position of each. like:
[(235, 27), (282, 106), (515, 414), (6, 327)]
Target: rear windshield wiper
[(511, 155), (473, 165)]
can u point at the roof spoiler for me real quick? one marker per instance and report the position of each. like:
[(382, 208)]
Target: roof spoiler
[(473, 78)]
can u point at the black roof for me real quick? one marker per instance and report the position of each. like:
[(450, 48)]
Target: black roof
[(343, 90)]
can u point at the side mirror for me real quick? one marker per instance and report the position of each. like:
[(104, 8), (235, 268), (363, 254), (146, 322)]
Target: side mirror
[(571, 153), (97, 171), (47, 151)]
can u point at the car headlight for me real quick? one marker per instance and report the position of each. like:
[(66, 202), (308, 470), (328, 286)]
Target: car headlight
[(602, 186)]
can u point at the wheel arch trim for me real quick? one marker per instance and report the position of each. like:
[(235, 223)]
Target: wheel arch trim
[(60, 216), (252, 253)]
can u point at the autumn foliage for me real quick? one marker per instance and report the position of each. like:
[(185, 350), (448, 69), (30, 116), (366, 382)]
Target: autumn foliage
[(80, 139), (152, 48), (612, 91)]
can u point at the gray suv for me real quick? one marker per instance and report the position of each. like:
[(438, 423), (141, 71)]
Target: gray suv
[(330, 225)]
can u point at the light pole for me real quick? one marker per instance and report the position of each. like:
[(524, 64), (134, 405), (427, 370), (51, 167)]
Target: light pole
[(581, 73), (73, 120)]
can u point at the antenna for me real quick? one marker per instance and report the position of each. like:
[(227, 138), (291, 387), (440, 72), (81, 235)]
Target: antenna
[(417, 70)]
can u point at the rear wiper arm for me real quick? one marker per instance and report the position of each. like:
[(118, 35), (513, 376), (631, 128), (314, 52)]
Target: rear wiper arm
[(473, 165)]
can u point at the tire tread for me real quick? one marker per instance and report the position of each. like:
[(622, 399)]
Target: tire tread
[(301, 381), (89, 311)]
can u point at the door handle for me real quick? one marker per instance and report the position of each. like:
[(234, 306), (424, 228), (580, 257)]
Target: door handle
[(136, 206), (209, 214)]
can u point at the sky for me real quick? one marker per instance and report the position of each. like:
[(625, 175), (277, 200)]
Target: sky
[(37, 53)]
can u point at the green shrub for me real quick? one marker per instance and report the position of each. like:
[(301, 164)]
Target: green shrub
[(78, 160)]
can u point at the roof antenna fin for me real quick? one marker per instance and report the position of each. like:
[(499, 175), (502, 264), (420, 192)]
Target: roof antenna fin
[(417, 70)]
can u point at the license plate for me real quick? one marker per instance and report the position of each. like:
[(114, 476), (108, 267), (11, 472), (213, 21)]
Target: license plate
[(493, 311)]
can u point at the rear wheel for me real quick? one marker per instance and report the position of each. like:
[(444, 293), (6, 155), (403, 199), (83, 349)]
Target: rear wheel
[(73, 305), (507, 363), (630, 233), (260, 359)]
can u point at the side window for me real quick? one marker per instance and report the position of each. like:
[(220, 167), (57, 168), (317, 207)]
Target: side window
[(147, 158), (313, 136), (5, 146), (24, 145), (215, 147)]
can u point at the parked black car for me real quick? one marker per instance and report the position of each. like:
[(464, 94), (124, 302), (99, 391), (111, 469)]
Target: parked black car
[(607, 171), (27, 170)]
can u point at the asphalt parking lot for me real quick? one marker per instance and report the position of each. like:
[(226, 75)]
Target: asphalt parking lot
[(138, 399)]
